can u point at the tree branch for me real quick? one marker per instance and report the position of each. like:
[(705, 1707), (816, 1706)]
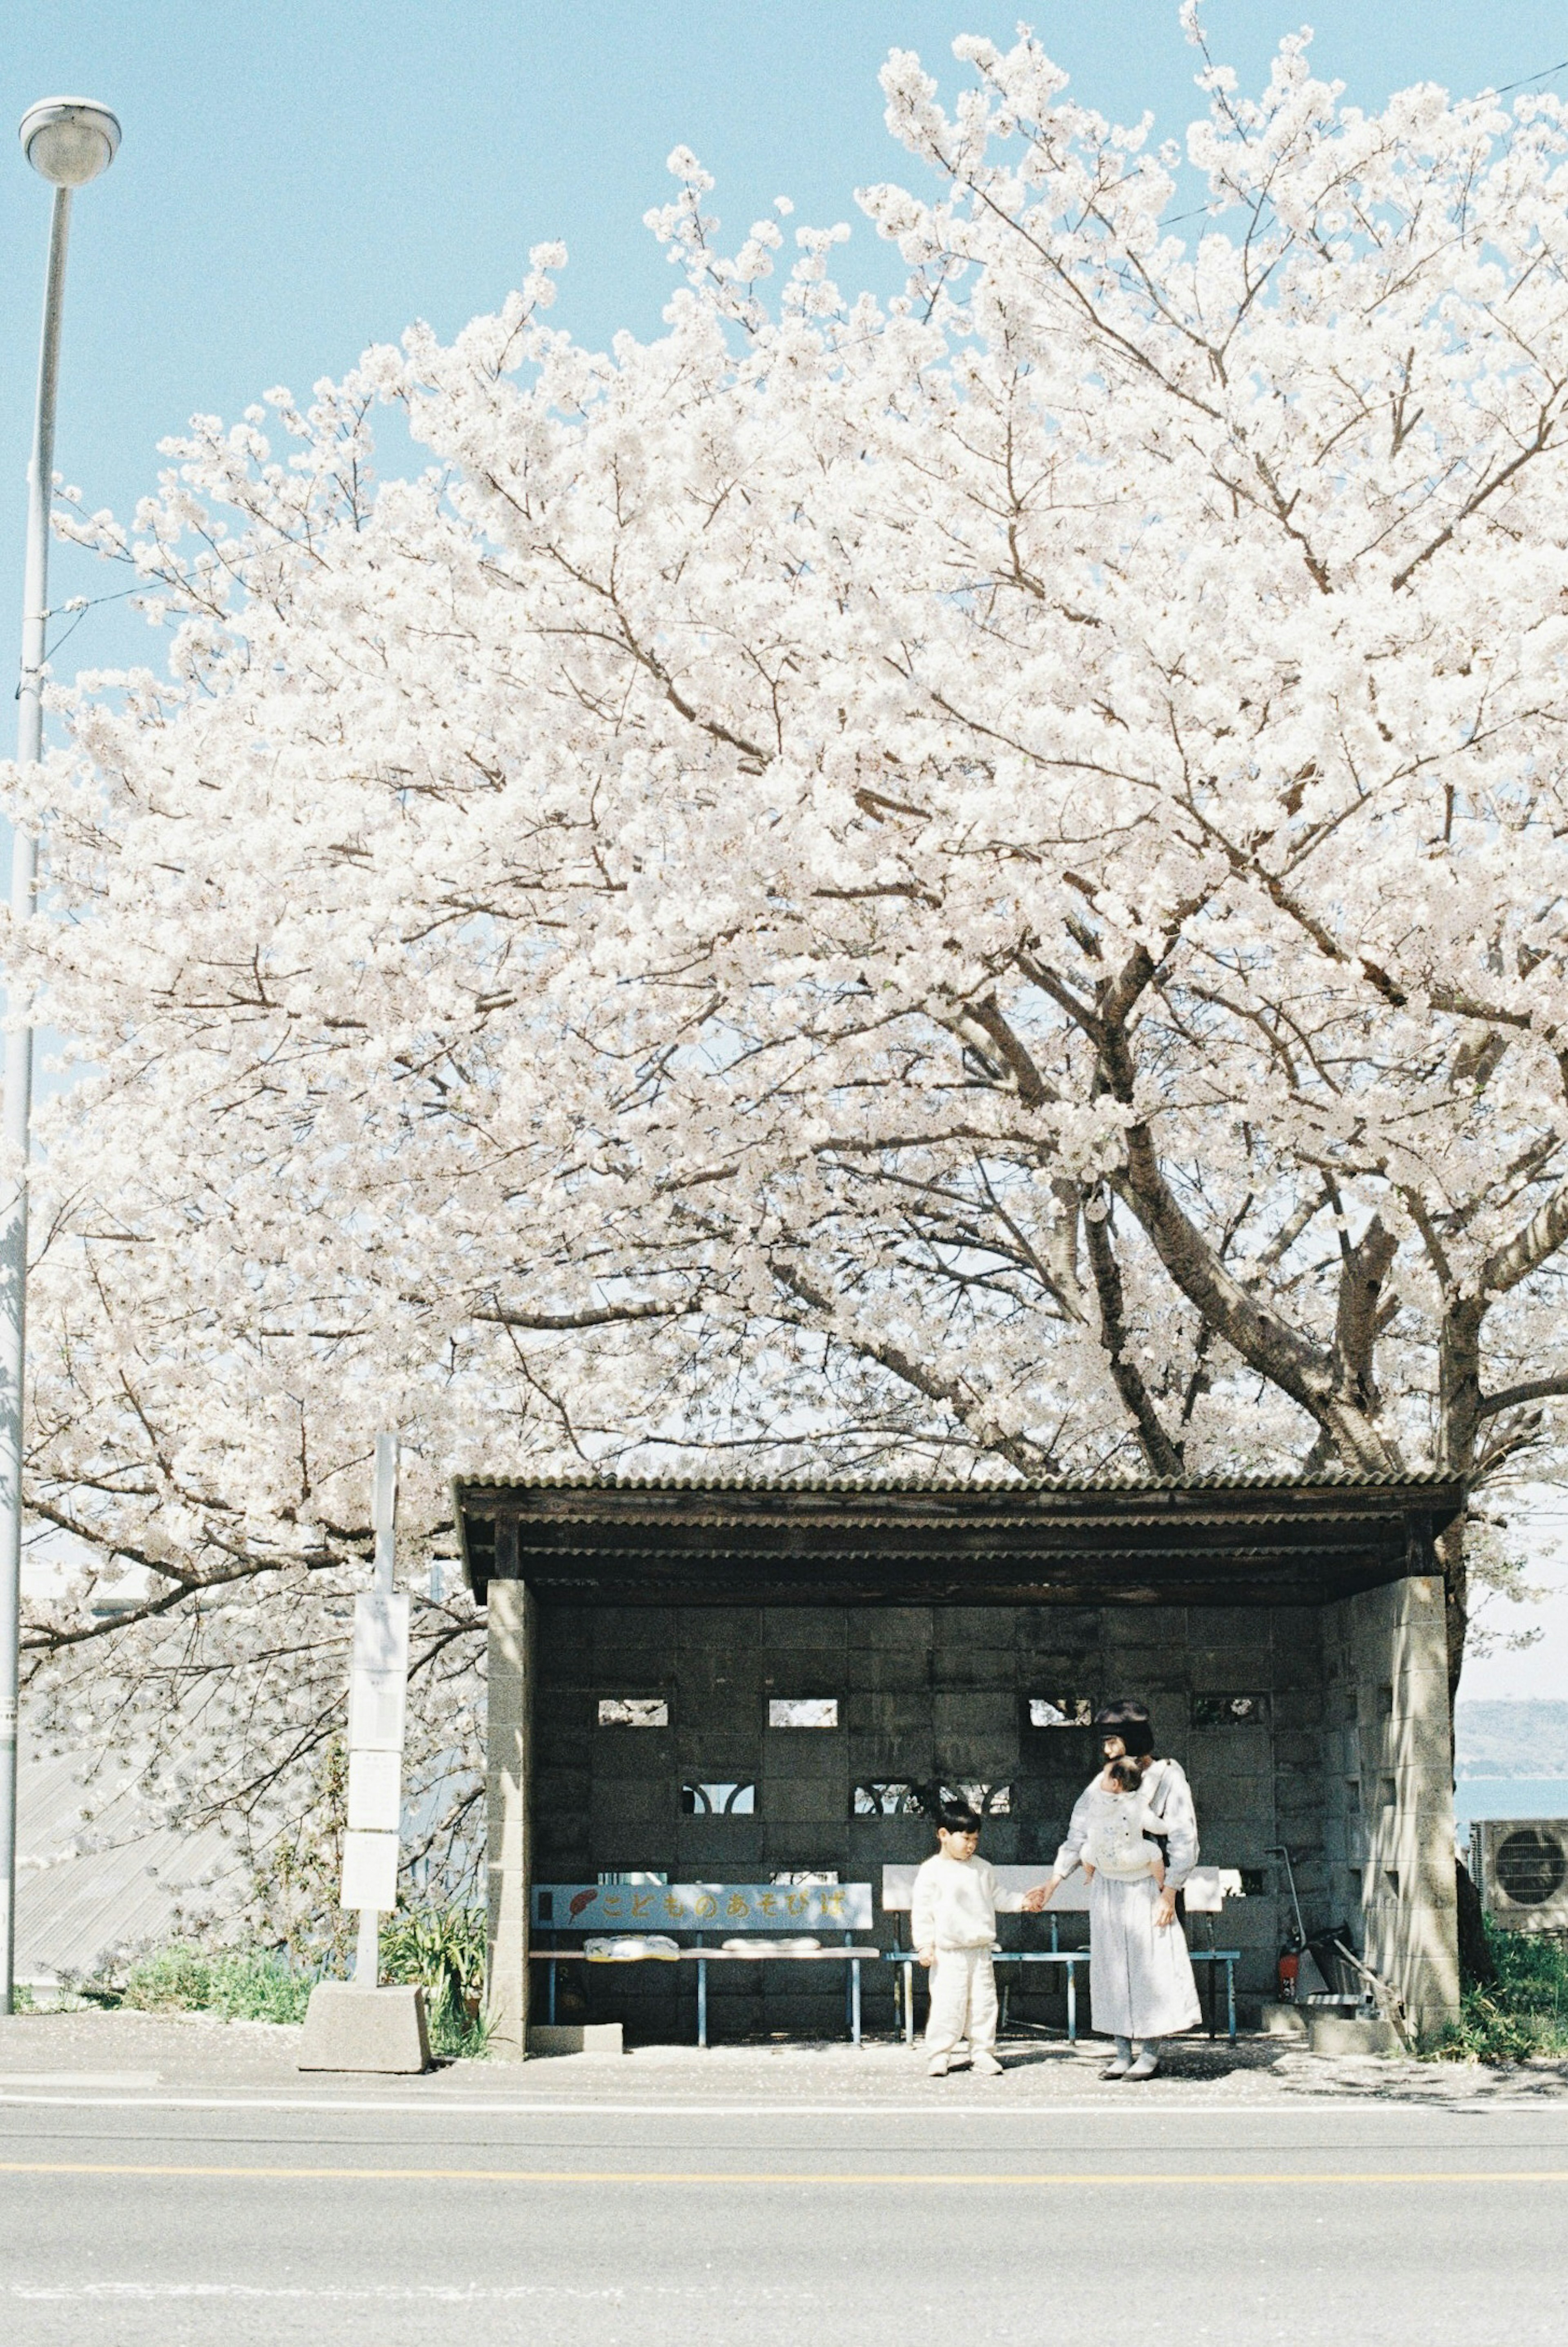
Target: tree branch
[(593, 1316), (966, 1407), (1543, 1234), (1515, 1396), (1164, 1456), (1267, 1344)]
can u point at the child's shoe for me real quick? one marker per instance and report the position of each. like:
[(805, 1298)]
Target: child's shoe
[(936, 2067), (986, 2066)]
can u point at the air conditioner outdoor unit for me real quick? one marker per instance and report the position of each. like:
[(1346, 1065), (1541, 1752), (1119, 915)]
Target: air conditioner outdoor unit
[(1521, 1867)]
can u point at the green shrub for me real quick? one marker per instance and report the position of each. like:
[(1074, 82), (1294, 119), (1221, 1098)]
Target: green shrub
[(176, 1979), (442, 1949), (1523, 2012)]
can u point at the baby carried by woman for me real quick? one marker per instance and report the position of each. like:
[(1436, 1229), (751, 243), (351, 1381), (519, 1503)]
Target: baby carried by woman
[(1119, 1822)]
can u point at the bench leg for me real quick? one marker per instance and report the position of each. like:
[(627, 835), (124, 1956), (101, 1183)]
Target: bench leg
[(702, 2002), (1072, 2004), (855, 2001), (1230, 1997), (554, 1968)]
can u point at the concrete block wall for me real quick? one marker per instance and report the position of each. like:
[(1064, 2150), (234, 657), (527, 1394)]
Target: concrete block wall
[(1389, 1789), (927, 1695)]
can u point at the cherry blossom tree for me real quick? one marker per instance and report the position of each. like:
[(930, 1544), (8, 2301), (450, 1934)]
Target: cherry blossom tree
[(974, 882)]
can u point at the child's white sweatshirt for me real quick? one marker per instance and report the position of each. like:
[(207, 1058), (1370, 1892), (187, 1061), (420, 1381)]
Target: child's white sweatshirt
[(955, 1903)]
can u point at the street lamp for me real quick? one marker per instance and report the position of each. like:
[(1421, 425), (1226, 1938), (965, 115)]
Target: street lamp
[(69, 141)]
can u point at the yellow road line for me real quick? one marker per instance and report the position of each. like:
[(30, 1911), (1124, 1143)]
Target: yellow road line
[(945, 2182)]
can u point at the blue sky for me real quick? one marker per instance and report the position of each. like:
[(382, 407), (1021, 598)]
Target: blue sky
[(300, 178)]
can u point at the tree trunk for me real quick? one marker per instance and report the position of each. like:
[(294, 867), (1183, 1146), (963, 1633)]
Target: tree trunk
[(1459, 1418), (1477, 1968), (1449, 1546)]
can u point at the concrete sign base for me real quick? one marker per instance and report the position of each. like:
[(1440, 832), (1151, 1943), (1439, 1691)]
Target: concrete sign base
[(1283, 2021), (349, 2028), (1335, 2034), (577, 2037)]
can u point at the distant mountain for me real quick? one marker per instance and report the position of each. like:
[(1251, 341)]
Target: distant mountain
[(1524, 1739)]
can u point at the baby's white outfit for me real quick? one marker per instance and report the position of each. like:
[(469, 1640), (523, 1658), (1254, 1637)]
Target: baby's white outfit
[(1117, 1842), (954, 1913)]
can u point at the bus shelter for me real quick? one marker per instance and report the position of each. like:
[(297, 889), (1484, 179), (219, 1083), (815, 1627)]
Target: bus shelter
[(772, 1682)]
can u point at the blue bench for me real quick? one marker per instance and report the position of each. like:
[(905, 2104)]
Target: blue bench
[(1208, 1889), (705, 1912)]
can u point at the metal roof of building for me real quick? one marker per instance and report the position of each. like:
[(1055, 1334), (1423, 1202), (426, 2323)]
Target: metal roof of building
[(1325, 1478), (1200, 1540)]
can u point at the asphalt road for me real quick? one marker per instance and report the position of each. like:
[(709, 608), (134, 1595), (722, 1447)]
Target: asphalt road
[(339, 2217)]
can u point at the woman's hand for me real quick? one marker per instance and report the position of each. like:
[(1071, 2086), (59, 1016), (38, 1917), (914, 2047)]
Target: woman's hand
[(1165, 1908), (1033, 1901)]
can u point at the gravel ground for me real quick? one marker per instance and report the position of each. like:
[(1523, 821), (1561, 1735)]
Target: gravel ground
[(196, 2052)]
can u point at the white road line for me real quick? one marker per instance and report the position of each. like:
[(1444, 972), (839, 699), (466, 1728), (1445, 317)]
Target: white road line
[(129, 2082), (1011, 2112), (445, 2293), (1117, 2179)]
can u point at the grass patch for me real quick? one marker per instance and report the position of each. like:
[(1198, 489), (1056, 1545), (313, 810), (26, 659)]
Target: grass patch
[(440, 1948), (237, 1984), (1522, 2013)]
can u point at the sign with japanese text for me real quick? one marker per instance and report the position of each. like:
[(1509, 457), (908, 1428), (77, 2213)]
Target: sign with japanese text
[(370, 1872), (374, 1792), (377, 1700), (702, 1906), (378, 1678)]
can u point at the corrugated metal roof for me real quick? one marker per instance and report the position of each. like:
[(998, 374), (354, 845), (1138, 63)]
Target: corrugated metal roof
[(78, 1908), (1327, 1479), (911, 1539)]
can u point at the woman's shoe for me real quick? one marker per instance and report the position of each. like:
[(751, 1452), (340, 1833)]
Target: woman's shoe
[(1144, 2066), (1119, 2068)]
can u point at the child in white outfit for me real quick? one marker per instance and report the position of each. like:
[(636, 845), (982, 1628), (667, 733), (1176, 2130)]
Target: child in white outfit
[(954, 1928), (1118, 1843)]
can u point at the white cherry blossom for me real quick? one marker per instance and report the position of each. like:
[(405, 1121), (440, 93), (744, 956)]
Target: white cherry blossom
[(973, 885)]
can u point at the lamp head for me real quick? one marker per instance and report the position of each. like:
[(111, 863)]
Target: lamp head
[(69, 140)]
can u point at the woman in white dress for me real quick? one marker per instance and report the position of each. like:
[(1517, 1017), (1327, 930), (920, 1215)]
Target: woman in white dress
[(1140, 1983)]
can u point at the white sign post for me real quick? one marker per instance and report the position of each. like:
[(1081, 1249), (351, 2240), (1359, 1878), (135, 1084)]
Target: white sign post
[(378, 1704), (357, 2024)]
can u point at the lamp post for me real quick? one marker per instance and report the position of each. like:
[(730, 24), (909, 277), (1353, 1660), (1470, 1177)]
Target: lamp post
[(67, 141)]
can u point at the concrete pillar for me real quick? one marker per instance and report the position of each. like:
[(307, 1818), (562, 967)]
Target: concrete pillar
[(1403, 1736), (509, 1786)]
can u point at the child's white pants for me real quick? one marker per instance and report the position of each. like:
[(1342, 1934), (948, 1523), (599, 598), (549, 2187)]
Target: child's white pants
[(963, 2000)]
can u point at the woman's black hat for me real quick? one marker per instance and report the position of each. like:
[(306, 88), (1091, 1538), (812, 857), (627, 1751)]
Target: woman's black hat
[(1130, 1721)]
